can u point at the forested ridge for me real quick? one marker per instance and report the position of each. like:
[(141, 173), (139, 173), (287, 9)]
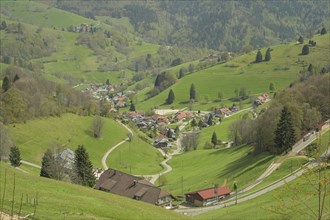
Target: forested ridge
[(220, 25)]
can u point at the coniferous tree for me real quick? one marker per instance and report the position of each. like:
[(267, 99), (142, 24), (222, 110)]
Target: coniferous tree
[(170, 99), (192, 92), (267, 56), (3, 25), (15, 156), (83, 168), (132, 107), (5, 84), (259, 57), (46, 165), (305, 50), (271, 87), (210, 120), (181, 73), (214, 139), (16, 78), (285, 135), (310, 68), (193, 123), (323, 31)]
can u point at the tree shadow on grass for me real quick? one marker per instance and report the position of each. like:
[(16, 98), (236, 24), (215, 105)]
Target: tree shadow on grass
[(245, 164)]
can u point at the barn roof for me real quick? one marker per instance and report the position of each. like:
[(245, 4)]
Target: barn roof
[(209, 193)]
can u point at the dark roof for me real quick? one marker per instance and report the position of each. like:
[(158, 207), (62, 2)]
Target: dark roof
[(130, 186), (209, 193)]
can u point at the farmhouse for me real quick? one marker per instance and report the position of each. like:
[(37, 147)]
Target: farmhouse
[(208, 196), (133, 187)]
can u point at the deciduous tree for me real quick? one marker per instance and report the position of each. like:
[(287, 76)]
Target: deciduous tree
[(97, 126), (305, 50)]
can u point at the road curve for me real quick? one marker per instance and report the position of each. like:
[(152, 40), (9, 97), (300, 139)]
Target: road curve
[(104, 158)]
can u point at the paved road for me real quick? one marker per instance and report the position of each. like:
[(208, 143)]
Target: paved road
[(104, 158), (153, 178), (197, 211), (300, 145), (30, 164)]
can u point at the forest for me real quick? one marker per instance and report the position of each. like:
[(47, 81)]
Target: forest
[(219, 25)]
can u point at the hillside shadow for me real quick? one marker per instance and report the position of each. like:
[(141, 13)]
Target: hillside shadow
[(250, 160)]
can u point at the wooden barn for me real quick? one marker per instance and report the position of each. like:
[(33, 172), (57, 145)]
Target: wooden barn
[(208, 196)]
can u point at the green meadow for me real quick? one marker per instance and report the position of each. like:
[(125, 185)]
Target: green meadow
[(62, 200), (42, 15), (203, 168), (136, 157), (295, 200), (241, 72), (221, 130), (35, 136)]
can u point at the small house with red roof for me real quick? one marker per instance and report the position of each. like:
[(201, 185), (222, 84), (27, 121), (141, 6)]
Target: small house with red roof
[(208, 196)]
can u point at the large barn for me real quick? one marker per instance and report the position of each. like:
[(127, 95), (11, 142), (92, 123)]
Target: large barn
[(208, 196), (133, 187)]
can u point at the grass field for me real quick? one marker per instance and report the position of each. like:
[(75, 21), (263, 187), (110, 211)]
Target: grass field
[(42, 15), (203, 168), (136, 157), (281, 70), (221, 129), (61, 200), (34, 137), (296, 200)]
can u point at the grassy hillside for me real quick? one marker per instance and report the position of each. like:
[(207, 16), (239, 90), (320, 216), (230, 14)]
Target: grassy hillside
[(296, 200), (59, 200), (35, 136), (281, 70), (41, 15), (203, 168), (136, 157)]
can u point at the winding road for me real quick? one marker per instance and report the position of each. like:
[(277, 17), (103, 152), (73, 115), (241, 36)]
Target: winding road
[(104, 158), (300, 145)]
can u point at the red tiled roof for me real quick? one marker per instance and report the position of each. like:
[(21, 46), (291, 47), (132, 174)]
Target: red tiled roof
[(209, 193)]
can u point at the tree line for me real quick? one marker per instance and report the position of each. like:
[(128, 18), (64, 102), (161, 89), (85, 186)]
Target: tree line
[(26, 96), (294, 112)]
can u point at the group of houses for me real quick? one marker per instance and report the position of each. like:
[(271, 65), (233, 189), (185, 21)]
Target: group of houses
[(106, 92), (137, 188), (261, 99), (225, 112), (159, 123)]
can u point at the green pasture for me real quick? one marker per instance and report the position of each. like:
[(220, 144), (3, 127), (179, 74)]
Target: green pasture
[(136, 157), (203, 168), (295, 200), (69, 130), (62, 200), (42, 15), (241, 72)]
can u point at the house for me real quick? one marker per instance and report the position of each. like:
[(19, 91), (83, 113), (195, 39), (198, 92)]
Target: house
[(119, 183), (208, 196), (161, 141), (262, 99), (67, 156), (223, 111), (183, 115)]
